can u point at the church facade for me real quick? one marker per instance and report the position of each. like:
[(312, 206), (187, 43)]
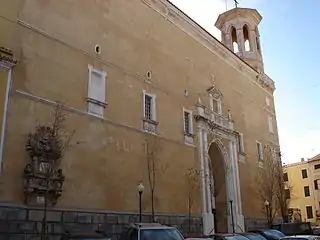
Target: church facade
[(141, 84)]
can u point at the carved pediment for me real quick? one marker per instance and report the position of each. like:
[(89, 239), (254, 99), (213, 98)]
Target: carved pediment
[(214, 90), (6, 57)]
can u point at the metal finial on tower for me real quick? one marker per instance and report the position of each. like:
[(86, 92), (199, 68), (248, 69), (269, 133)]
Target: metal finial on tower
[(236, 3)]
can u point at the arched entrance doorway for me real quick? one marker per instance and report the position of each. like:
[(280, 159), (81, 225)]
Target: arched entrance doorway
[(218, 187)]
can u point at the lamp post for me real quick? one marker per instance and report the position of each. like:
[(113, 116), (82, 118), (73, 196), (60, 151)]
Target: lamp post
[(266, 204), (232, 217), (140, 189)]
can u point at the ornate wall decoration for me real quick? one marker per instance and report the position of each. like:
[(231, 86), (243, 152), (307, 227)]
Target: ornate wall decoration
[(43, 179), (6, 57)]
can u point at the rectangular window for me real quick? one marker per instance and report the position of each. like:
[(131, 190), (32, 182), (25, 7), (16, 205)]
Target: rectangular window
[(149, 106), (316, 187), (268, 101), (187, 122), (317, 166), (306, 191), (96, 91), (241, 143), (215, 104), (259, 151), (287, 193), (270, 122), (285, 177), (304, 173), (309, 212)]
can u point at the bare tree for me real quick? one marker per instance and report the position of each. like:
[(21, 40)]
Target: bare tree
[(46, 147), (154, 167), (267, 187), (283, 189), (59, 131), (192, 183)]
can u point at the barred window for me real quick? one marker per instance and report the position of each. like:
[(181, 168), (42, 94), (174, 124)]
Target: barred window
[(149, 106)]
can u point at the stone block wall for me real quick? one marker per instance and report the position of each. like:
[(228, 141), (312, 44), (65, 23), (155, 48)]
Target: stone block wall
[(255, 223), (25, 223)]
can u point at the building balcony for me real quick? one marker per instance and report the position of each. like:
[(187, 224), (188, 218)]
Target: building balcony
[(214, 119)]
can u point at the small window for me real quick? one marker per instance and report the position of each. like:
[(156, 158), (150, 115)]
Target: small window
[(187, 122), (287, 193), (309, 212), (270, 122), (96, 91), (304, 173), (317, 166), (268, 101), (259, 151), (306, 191), (215, 104), (241, 143), (315, 182), (149, 106), (285, 177)]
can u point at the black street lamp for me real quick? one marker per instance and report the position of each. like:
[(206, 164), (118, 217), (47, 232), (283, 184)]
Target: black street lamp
[(140, 189), (232, 217), (267, 205), (214, 213)]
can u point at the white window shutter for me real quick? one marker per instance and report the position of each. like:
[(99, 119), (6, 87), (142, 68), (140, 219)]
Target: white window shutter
[(270, 122), (260, 150), (96, 91), (97, 87)]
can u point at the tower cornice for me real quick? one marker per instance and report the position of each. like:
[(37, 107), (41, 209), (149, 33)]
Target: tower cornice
[(238, 13)]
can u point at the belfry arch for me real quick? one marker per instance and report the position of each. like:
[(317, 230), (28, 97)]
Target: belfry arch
[(246, 38)]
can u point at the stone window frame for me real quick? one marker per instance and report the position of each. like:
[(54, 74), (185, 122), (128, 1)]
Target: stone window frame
[(259, 151), (190, 130), (309, 212), (215, 99), (153, 109), (270, 124), (96, 104), (241, 143), (306, 191), (149, 124), (268, 101)]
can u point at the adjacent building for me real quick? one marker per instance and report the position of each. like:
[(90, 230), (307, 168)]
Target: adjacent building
[(303, 189), (139, 81)]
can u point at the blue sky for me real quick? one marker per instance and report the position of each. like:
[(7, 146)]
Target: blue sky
[(289, 35)]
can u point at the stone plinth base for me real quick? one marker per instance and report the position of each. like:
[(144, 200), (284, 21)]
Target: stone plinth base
[(18, 222)]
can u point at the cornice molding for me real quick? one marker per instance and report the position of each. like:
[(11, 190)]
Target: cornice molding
[(174, 15)]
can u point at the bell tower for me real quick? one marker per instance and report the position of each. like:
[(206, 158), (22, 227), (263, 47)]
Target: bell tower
[(239, 32)]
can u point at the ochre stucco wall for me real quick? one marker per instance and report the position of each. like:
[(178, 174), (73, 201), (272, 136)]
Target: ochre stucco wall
[(134, 39)]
